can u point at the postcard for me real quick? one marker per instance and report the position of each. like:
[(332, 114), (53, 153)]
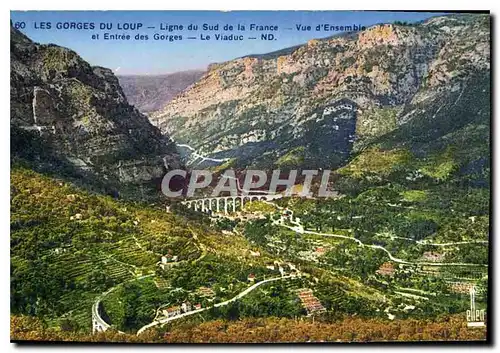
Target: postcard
[(250, 176)]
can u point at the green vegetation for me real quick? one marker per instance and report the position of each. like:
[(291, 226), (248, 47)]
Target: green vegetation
[(376, 122), (226, 165), (414, 195), (133, 304), (391, 201), (259, 206), (387, 258), (274, 299), (57, 58), (294, 157), (441, 166), (68, 246), (378, 162), (81, 98)]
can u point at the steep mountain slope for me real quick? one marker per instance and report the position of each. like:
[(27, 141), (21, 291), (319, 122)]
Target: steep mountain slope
[(152, 92), (68, 114), (319, 104), (68, 245)]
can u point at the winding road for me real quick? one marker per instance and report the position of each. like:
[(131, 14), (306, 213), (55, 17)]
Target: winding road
[(203, 158), (189, 313), (95, 306), (423, 242), (300, 229)]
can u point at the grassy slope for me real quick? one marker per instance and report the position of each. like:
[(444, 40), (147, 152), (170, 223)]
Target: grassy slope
[(67, 245)]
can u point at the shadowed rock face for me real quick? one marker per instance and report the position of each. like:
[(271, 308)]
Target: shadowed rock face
[(150, 93), (80, 113), (269, 110)]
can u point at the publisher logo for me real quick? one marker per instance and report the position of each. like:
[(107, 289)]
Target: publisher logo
[(475, 317)]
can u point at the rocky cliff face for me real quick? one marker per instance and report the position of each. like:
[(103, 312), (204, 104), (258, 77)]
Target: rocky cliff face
[(316, 104), (152, 92), (80, 113)]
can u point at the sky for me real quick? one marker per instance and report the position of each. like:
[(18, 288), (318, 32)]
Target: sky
[(160, 56)]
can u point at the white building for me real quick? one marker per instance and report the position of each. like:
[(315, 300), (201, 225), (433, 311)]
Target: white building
[(186, 306)]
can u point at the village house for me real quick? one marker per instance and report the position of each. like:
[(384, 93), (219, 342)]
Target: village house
[(169, 258), (282, 271), (270, 267), (320, 251), (251, 277), (172, 311), (197, 306), (186, 306), (287, 214), (77, 216), (60, 250)]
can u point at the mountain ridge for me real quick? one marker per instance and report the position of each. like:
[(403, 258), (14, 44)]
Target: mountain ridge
[(66, 113), (151, 92), (257, 110)]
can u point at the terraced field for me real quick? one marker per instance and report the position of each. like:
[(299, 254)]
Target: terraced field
[(69, 246), (135, 303), (119, 262)]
